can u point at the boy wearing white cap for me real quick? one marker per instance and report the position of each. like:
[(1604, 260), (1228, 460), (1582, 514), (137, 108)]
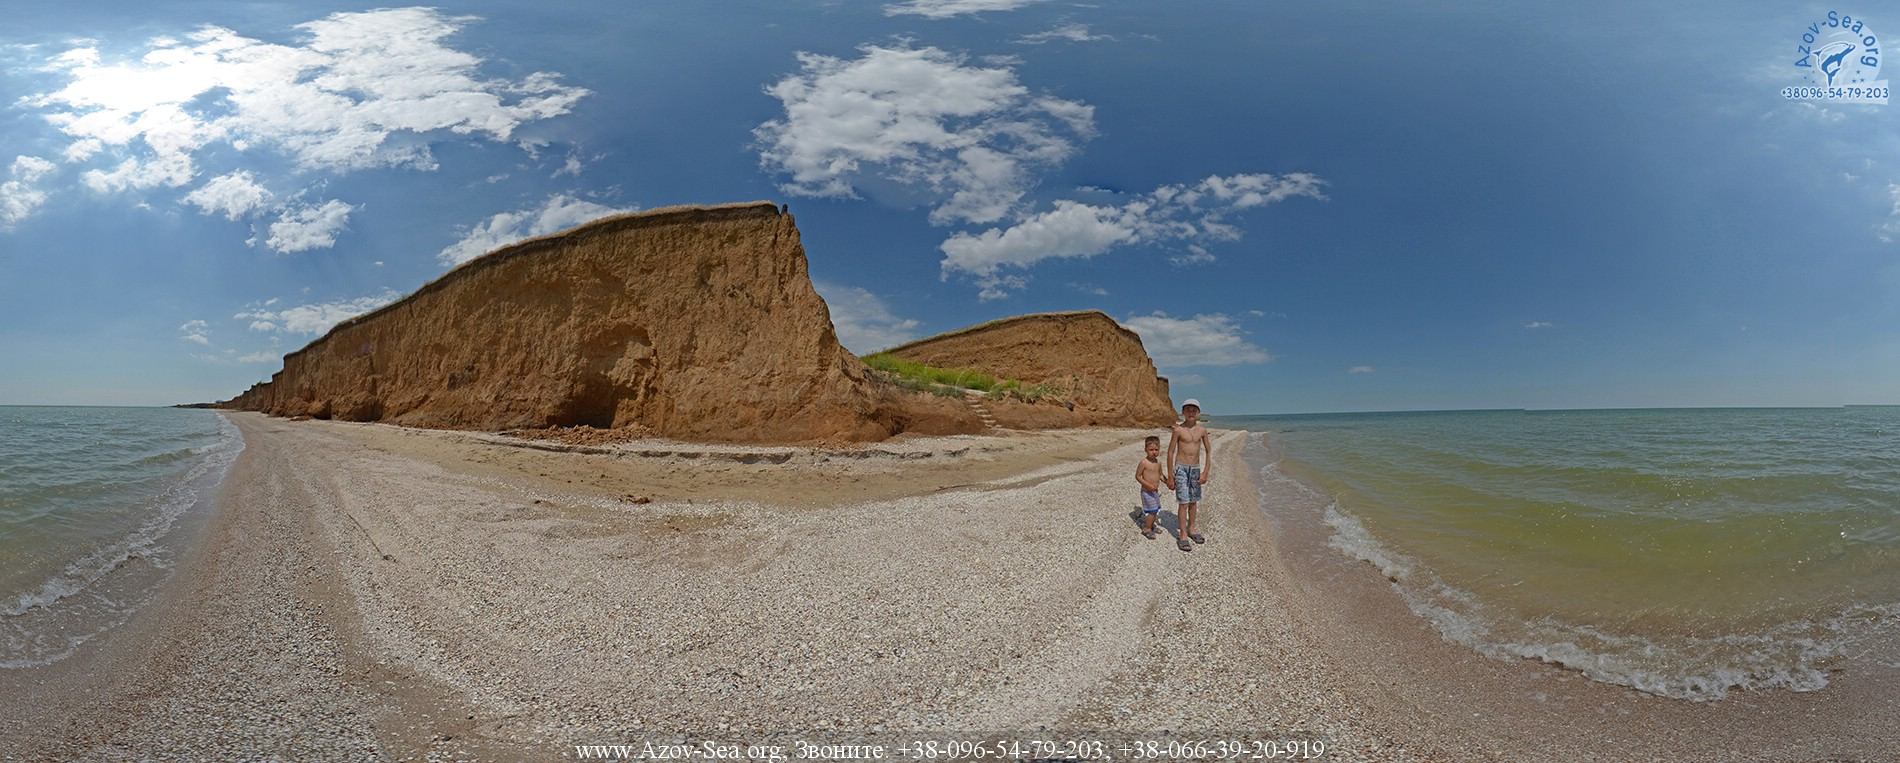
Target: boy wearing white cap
[(1188, 448)]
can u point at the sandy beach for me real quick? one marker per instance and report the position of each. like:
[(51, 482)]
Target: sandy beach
[(369, 592)]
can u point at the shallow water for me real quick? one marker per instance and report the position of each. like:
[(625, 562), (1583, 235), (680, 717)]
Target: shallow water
[(93, 504), (1682, 552)]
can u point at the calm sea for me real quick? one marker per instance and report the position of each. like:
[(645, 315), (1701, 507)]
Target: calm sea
[(1685, 553), (93, 505)]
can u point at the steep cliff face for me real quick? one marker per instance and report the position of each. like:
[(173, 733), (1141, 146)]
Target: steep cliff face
[(693, 322), (1095, 364)]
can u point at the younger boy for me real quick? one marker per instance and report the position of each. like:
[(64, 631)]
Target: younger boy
[(1148, 474)]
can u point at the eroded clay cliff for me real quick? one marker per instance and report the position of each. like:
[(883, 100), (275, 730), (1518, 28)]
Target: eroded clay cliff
[(690, 322), (696, 323), (1097, 368)]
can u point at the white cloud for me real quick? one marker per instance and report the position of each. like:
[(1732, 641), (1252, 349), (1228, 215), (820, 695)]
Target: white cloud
[(172, 170), (234, 195), (313, 318), (309, 226), (195, 331), (559, 212), (1538, 325), (921, 120), (1186, 380), (259, 357), (570, 167), (864, 321), (1891, 228), (999, 286), (1191, 213), (1089, 288), (1211, 339), (1072, 229), (1361, 370), (30, 168), (1070, 32), (1197, 255), (943, 9), (20, 197), (359, 90)]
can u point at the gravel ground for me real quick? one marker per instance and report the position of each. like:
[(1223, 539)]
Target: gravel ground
[(368, 593)]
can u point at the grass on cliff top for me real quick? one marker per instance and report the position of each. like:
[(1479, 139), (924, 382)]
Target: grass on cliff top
[(951, 381)]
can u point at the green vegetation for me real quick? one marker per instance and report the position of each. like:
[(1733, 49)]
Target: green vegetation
[(950, 381), (1014, 388), (961, 378)]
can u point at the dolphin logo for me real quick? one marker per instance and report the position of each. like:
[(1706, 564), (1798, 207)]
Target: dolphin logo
[(1831, 55)]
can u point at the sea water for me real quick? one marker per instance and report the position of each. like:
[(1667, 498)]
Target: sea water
[(1686, 553), (94, 507)]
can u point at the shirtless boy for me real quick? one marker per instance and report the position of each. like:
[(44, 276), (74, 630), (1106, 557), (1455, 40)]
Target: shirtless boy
[(1188, 448), (1148, 474)]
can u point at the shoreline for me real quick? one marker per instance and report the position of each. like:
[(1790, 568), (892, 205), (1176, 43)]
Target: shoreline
[(365, 591), (1527, 709)]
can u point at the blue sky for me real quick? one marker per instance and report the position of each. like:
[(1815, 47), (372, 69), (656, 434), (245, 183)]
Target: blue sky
[(1301, 207)]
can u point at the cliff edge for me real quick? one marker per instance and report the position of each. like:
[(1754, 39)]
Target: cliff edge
[(693, 322), (1096, 365)]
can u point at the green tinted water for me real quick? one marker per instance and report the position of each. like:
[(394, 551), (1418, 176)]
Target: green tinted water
[(1685, 552), (90, 502)]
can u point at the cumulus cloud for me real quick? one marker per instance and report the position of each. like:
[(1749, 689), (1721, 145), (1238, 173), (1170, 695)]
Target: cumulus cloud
[(966, 137), (1211, 339), (1538, 325), (20, 196), (259, 357), (1069, 32), (30, 168), (234, 195), (1361, 370), (195, 331), (865, 323), (309, 226), (1193, 213), (943, 9), (559, 212), (1186, 380), (359, 90), (314, 318)]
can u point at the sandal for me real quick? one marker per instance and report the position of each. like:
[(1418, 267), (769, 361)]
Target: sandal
[(1149, 534), (1184, 545), (1197, 537)]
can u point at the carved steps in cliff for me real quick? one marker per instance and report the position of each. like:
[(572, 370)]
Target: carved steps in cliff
[(974, 400)]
